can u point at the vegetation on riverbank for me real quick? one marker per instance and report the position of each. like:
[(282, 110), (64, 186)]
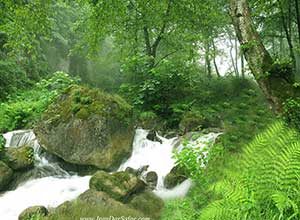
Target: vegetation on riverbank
[(25, 106), (163, 57)]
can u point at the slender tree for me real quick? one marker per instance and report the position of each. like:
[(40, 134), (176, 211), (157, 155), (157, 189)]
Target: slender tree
[(277, 86)]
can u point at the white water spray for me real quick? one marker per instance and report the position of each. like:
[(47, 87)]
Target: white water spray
[(159, 157), (53, 187)]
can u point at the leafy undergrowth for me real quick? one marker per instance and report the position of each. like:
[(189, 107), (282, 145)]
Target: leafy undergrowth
[(25, 107), (242, 117), (264, 183)]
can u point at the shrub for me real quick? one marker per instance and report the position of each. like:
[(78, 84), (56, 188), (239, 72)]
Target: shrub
[(12, 77), (192, 121), (291, 112), (25, 107)]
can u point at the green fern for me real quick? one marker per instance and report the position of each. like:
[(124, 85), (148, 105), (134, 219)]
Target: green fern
[(266, 182)]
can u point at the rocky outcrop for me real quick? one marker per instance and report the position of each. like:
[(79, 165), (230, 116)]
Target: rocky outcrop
[(119, 195), (120, 186), (137, 172), (33, 212), (94, 204), (174, 178), (6, 175), (153, 137), (19, 158), (87, 127), (151, 179)]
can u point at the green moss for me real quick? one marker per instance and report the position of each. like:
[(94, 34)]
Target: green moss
[(83, 113), (118, 185), (79, 209), (148, 203), (82, 102)]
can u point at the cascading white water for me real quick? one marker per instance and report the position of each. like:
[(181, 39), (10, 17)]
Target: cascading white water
[(47, 191), (159, 157), (53, 187)]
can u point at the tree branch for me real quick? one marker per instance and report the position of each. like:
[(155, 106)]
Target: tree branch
[(164, 57)]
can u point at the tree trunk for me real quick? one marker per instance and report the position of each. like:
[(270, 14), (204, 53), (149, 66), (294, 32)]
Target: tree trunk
[(236, 56), (214, 58), (286, 23), (232, 58), (277, 87), (207, 59), (298, 18), (242, 64)]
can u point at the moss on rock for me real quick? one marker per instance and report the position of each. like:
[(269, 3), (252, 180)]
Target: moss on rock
[(93, 204), (19, 158), (6, 175), (175, 177), (147, 203), (120, 185), (88, 127), (33, 212)]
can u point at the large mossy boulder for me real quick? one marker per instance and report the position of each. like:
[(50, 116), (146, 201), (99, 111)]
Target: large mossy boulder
[(6, 175), (87, 127), (120, 185), (19, 158), (95, 205)]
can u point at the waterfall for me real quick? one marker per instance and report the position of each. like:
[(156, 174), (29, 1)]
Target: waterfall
[(49, 185), (159, 158), (42, 167)]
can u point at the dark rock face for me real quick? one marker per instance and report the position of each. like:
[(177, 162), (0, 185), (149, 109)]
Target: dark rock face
[(19, 158), (137, 172), (174, 178), (87, 127), (120, 186), (153, 137), (32, 212), (151, 179), (6, 175)]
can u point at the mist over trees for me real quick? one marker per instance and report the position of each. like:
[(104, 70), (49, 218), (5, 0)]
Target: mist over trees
[(178, 66)]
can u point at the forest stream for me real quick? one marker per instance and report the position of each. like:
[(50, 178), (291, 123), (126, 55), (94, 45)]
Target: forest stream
[(50, 185)]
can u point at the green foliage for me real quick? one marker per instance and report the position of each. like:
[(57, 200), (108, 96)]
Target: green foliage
[(265, 184), (191, 121), (25, 107), (26, 25), (283, 68), (12, 77), (161, 89), (179, 209), (149, 120), (239, 108), (291, 112), (192, 160)]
